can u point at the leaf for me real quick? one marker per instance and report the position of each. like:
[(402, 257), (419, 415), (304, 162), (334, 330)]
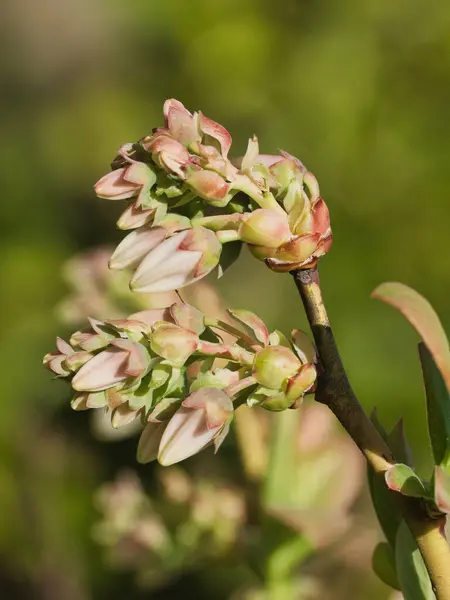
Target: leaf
[(438, 407), (396, 440), (442, 490), (401, 478), (386, 509), (383, 564), (411, 572), (251, 324), (422, 317)]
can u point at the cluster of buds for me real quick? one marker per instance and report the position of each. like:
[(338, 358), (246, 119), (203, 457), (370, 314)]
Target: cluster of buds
[(171, 368), (187, 199), (193, 519)]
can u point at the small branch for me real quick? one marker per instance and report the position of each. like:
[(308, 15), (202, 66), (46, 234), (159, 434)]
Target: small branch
[(333, 387), (334, 390)]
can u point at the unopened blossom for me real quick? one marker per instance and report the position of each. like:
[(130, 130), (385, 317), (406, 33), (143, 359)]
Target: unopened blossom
[(203, 418), (114, 364), (180, 178), (171, 367), (296, 237)]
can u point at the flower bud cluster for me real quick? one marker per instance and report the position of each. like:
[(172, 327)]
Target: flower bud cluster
[(162, 365), (187, 199)]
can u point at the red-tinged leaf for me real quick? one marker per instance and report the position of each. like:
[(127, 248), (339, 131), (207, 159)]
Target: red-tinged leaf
[(401, 478), (422, 317), (253, 325), (442, 490)]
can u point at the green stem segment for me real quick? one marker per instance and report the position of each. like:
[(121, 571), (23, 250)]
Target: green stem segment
[(334, 390)]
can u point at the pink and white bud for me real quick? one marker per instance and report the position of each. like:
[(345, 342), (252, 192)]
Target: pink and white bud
[(135, 216), (181, 123), (135, 246), (188, 317), (210, 186), (168, 153), (113, 186), (265, 227), (149, 441), (202, 417), (135, 180), (112, 366), (178, 261), (216, 131), (55, 361), (173, 343)]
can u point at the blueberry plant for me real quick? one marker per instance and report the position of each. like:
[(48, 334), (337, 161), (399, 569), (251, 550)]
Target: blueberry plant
[(182, 374)]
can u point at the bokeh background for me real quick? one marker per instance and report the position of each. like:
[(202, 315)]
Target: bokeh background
[(359, 91)]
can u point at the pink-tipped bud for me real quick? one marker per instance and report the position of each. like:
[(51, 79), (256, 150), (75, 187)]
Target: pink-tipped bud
[(203, 416), (181, 123), (173, 343), (113, 186), (178, 261), (216, 131), (210, 186), (135, 246)]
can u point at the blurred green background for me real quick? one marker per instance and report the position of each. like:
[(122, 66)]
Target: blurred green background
[(359, 91)]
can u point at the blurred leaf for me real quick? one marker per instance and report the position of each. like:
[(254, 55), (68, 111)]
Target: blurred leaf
[(281, 473), (383, 564), (438, 407), (401, 478), (412, 574), (422, 317)]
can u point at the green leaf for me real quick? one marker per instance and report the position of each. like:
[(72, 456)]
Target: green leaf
[(383, 564), (438, 407), (396, 440), (386, 509), (423, 318), (401, 478), (412, 574)]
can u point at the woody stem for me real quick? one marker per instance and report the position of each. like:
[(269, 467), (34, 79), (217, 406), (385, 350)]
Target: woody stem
[(334, 390)]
